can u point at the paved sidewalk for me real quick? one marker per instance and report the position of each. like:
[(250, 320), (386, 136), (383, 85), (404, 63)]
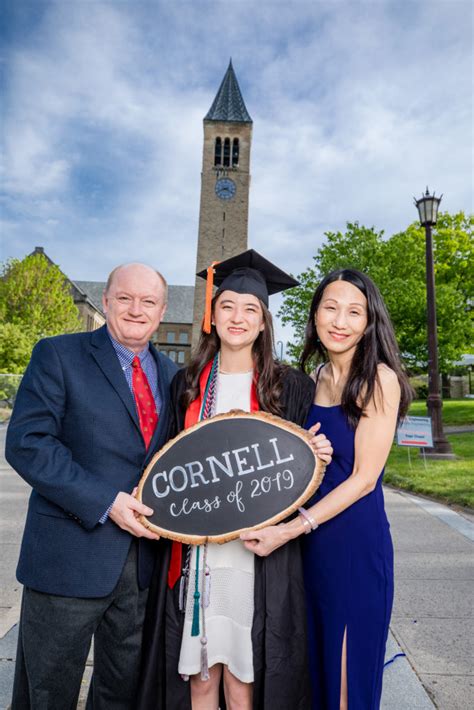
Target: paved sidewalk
[(458, 428), (434, 596), (432, 616)]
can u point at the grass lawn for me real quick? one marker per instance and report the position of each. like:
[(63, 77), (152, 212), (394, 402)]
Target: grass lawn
[(455, 411), (450, 481)]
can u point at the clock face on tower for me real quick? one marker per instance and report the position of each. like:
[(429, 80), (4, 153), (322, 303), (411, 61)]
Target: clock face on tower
[(225, 188)]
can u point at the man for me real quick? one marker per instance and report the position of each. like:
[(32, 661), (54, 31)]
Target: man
[(90, 412)]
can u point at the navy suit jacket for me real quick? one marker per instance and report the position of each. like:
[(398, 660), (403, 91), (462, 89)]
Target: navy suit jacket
[(74, 437)]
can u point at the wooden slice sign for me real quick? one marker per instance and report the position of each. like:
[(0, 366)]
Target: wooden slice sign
[(227, 474)]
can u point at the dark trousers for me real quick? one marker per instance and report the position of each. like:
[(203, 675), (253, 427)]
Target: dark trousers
[(54, 639)]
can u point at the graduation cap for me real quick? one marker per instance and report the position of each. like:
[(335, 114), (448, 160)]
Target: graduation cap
[(248, 272)]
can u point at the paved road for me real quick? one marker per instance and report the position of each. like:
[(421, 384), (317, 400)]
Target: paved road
[(432, 616)]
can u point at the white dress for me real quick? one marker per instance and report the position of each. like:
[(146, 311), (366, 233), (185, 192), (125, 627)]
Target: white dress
[(229, 616)]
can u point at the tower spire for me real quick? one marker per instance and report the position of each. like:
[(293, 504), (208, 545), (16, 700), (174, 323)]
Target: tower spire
[(229, 105)]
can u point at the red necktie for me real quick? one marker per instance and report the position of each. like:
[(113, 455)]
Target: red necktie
[(144, 399)]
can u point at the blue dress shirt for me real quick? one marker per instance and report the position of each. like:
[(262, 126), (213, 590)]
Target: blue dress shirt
[(147, 361)]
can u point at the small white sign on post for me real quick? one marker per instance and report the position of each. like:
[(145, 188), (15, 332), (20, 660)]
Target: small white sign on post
[(415, 431)]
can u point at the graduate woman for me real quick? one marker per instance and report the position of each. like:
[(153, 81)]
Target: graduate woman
[(243, 644), (361, 392)]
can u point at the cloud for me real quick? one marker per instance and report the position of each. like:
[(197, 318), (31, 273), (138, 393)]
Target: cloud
[(356, 107)]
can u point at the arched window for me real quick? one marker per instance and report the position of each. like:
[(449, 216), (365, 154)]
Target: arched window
[(218, 152), (235, 152), (226, 152)]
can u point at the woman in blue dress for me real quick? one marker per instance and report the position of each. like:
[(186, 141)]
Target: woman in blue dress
[(361, 392)]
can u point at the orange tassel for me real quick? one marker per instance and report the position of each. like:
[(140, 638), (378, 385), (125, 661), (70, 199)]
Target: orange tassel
[(206, 326)]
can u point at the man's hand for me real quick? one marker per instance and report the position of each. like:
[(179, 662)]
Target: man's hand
[(124, 512)]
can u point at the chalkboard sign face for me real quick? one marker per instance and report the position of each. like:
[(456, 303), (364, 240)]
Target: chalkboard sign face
[(228, 474)]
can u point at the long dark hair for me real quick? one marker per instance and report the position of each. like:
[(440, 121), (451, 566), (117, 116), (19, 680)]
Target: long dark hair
[(269, 371), (378, 345)]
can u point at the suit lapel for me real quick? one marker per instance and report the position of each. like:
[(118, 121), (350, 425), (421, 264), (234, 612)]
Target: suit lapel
[(104, 354)]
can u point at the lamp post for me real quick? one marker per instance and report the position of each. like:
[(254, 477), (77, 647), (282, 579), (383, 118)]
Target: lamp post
[(428, 210)]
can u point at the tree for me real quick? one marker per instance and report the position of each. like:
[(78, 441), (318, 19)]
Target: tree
[(397, 265), (16, 345), (35, 301), (359, 247), (405, 293)]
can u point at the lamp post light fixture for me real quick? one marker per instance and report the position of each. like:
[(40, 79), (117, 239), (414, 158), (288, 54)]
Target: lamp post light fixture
[(428, 210)]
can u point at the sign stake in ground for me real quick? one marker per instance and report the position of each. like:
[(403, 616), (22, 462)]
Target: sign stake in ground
[(233, 472)]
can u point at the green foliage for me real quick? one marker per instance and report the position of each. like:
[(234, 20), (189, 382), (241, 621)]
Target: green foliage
[(420, 386), (405, 292), (16, 345), (8, 388), (358, 245), (397, 265), (35, 302)]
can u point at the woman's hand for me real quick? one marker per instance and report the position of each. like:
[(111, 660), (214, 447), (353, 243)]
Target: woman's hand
[(320, 444), (263, 542)]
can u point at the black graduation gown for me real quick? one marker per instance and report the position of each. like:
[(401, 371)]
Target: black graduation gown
[(281, 679)]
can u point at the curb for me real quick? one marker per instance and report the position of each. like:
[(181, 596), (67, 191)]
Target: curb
[(462, 510)]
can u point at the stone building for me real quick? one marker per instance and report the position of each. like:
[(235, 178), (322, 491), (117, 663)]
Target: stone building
[(91, 314), (173, 337), (225, 182)]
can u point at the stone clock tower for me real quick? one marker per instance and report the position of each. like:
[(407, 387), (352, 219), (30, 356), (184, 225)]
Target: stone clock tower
[(225, 181)]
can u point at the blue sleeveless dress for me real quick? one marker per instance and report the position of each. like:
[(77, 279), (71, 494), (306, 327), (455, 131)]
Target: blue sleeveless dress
[(348, 567)]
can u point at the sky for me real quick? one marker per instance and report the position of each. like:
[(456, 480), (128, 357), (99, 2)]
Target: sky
[(356, 108)]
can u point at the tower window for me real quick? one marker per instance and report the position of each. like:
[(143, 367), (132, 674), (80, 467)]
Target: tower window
[(218, 152), (227, 152), (235, 152)]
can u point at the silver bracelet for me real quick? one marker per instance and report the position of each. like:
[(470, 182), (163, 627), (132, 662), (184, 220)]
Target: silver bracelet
[(309, 522)]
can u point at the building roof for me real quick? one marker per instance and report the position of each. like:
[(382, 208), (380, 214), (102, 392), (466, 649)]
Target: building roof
[(229, 104), (180, 300), (180, 304), (93, 290)]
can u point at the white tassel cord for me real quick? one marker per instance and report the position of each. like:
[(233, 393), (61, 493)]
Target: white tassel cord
[(184, 582), (206, 587)]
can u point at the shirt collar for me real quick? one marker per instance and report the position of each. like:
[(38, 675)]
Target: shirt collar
[(124, 354)]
